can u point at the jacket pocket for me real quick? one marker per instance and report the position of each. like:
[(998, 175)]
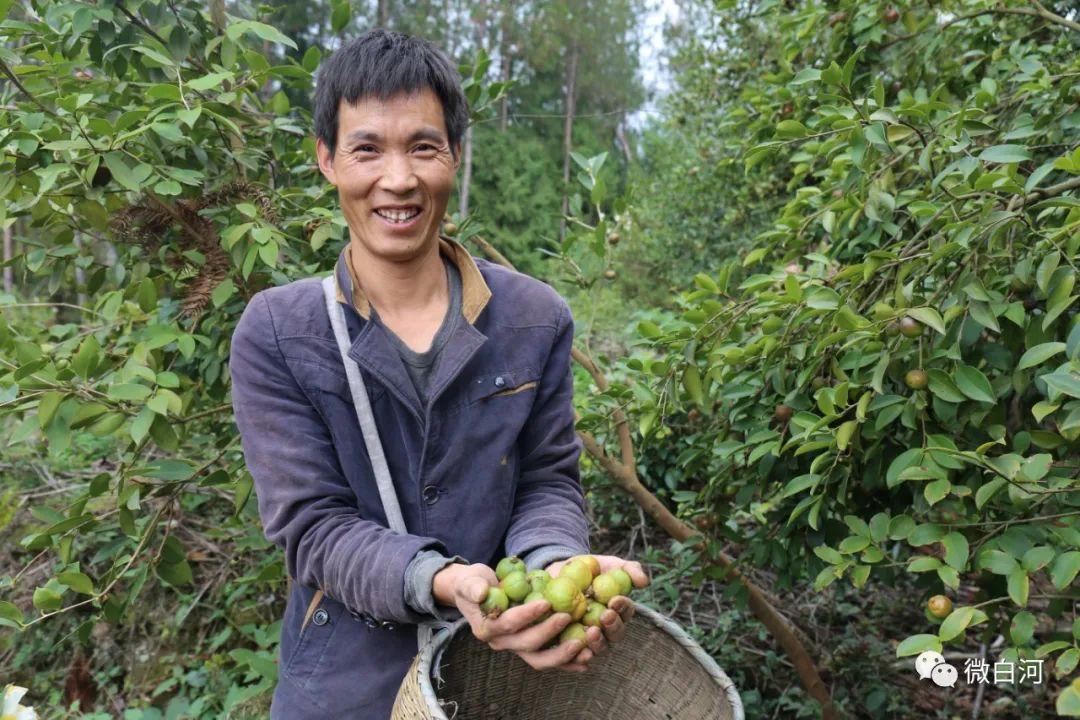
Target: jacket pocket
[(503, 384), (322, 619)]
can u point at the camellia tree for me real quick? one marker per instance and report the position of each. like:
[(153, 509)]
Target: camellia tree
[(151, 164), (887, 382)]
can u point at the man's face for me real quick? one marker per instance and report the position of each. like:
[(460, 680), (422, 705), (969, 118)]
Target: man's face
[(394, 172)]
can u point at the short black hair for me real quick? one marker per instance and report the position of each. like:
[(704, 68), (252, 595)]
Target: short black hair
[(384, 63)]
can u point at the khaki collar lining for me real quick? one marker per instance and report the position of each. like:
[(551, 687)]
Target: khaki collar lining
[(475, 292)]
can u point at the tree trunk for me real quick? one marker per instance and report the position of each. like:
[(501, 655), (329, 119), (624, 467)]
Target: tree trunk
[(9, 252), (480, 25), (384, 13), (505, 60), (620, 134), (568, 134), (80, 274)]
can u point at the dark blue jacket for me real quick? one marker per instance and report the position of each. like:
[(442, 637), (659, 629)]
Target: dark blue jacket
[(488, 467)]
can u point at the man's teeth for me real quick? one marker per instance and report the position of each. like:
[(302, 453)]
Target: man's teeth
[(398, 215)]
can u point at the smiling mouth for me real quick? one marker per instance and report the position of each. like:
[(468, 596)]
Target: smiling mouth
[(398, 216)]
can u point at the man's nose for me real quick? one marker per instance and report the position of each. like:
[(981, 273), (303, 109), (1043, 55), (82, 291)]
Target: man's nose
[(398, 176)]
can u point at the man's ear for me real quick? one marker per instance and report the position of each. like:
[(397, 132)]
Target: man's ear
[(326, 161), (457, 156)]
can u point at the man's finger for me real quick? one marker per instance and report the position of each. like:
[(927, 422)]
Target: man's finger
[(636, 573), (518, 618), (612, 624), (624, 606), (534, 637), (556, 656)]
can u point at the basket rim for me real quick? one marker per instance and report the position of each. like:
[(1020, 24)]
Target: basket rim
[(441, 639)]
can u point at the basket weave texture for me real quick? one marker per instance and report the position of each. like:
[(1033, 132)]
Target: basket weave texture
[(656, 672)]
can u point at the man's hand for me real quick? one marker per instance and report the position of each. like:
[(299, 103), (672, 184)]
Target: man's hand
[(620, 609), (465, 587)]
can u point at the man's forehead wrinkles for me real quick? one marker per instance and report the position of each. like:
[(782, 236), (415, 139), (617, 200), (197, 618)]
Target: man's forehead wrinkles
[(425, 133)]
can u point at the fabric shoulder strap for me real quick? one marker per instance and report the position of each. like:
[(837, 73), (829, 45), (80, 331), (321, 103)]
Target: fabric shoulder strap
[(363, 410)]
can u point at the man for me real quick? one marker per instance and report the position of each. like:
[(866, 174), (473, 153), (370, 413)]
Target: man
[(467, 367)]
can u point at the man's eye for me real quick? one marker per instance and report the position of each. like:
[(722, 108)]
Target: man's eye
[(365, 148)]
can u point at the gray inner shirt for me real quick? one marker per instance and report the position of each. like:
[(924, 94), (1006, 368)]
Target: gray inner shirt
[(421, 366)]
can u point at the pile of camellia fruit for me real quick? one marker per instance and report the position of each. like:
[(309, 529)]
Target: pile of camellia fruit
[(580, 590)]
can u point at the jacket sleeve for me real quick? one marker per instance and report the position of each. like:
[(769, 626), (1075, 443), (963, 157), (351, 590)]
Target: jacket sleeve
[(306, 505), (549, 505)]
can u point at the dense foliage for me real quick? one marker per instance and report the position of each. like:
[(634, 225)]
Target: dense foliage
[(887, 382)]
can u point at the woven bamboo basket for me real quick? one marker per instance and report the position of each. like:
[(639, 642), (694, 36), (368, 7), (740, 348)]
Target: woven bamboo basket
[(657, 672)]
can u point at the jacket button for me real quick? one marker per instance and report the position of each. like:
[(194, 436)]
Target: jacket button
[(431, 494), (499, 381), (320, 617), (389, 626)]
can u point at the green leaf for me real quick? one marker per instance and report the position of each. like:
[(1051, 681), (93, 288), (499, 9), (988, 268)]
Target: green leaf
[(988, 490), (950, 577), (128, 391), (10, 615), (1022, 628), (1018, 585), (340, 16), (973, 384), (46, 599), (791, 129), (902, 461), (264, 31), (935, 491), (175, 574), (1068, 702), (1063, 382), (77, 581), (1066, 662), (928, 316), (956, 550), (955, 623), (1064, 569), (87, 357), (942, 386), (828, 554), (917, 644), (1040, 354), (121, 172), (1005, 154)]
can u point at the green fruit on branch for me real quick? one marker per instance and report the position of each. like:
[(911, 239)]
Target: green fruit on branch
[(771, 324), (939, 606), (516, 586), (562, 593), (573, 631), (910, 327), (604, 588), (916, 379), (508, 565), (450, 228), (891, 15), (610, 274), (613, 238), (495, 604)]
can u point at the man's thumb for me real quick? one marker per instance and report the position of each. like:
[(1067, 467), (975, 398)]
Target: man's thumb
[(475, 590)]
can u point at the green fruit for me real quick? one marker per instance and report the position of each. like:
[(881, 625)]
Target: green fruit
[(883, 311), (916, 379), (581, 606), (592, 614), (538, 580), (625, 583), (561, 593), (495, 604), (450, 228), (910, 327), (783, 413), (590, 562), (533, 596), (604, 588), (573, 631), (772, 324), (508, 565), (579, 572), (515, 586)]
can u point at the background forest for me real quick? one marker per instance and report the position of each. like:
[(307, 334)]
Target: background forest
[(823, 274)]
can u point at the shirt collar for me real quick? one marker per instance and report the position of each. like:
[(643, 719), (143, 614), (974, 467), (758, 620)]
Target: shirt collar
[(474, 290)]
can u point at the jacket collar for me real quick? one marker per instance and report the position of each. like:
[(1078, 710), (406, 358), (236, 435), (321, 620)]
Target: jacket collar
[(475, 292)]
